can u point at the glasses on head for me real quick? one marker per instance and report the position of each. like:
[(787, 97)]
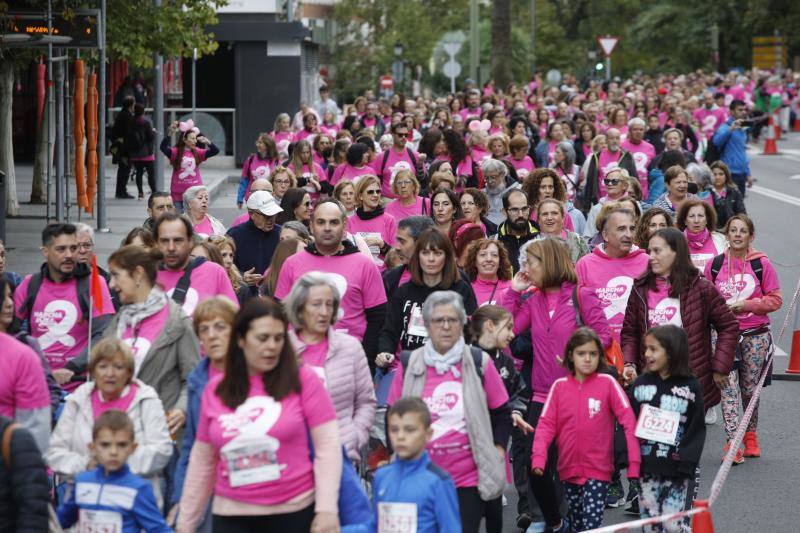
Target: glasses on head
[(611, 181), (444, 321), (373, 192), (513, 211)]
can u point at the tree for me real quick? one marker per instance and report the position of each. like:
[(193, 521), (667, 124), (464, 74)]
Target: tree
[(501, 42)]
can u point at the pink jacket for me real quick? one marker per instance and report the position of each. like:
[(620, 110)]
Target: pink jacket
[(580, 417), (350, 385), (550, 334)]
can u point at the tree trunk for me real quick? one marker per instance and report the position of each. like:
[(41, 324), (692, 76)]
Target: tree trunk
[(38, 195), (6, 139), (501, 43)]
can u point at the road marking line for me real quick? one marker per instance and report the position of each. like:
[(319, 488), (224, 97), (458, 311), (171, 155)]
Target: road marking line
[(795, 177), (793, 200)]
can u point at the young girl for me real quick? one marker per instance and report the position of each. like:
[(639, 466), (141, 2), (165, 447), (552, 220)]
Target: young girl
[(185, 158), (259, 165), (579, 414), (668, 391), (309, 174)]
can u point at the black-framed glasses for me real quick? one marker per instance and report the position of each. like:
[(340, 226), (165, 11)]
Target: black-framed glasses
[(513, 211), (612, 181), (378, 192)]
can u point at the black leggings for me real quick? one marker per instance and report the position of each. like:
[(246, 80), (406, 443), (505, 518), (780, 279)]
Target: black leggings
[(473, 509), (141, 167), (297, 522), (545, 488)]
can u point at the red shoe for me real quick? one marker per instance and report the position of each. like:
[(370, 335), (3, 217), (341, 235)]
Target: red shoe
[(751, 446), (737, 459)]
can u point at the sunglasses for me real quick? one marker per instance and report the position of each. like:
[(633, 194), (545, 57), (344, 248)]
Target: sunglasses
[(612, 181), (372, 192)]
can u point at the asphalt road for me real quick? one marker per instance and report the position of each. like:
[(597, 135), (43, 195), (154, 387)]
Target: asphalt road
[(759, 495)]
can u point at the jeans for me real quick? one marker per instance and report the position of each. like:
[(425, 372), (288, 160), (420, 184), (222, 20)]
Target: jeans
[(741, 181)]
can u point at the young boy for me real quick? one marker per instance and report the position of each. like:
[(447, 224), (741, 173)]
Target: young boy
[(109, 497), (412, 493)]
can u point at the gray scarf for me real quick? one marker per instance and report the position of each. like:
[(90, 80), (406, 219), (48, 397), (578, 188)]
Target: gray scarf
[(444, 362), (131, 315)]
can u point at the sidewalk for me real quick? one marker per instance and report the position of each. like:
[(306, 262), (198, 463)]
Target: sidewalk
[(23, 233)]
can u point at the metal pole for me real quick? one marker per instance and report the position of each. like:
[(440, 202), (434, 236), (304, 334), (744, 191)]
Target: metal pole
[(608, 67), (50, 109), (158, 114), (194, 83), (102, 222), (289, 11), (474, 41), (60, 144), (533, 36), (69, 141)]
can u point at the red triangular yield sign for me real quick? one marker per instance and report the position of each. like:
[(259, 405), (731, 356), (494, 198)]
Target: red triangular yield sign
[(608, 44)]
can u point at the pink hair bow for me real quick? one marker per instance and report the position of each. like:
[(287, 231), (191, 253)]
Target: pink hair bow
[(482, 125), (188, 126)]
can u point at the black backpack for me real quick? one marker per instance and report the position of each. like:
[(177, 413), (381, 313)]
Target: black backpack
[(755, 264), (712, 152), (477, 357), (182, 287), (35, 284)]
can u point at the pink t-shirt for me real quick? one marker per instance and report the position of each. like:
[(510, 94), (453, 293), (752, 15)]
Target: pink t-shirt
[(57, 323), (100, 406), (479, 154), (488, 292), (523, 166), (305, 134), (701, 255), (347, 172), (314, 356), (189, 173), (311, 170), (611, 280), (22, 383), (383, 226), (570, 181), (740, 283), (449, 447), (263, 445), (394, 164), (207, 280), (399, 211), (607, 160), (142, 338), (356, 276), (710, 119), (551, 152), (642, 153), (204, 229), (258, 169), (282, 139), (661, 308), (241, 219)]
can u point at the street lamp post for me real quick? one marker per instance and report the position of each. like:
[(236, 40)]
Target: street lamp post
[(397, 65)]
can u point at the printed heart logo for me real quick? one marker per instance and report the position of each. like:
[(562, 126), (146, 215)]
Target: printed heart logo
[(615, 295), (447, 409), (56, 321), (261, 173), (740, 289), (254, 418)]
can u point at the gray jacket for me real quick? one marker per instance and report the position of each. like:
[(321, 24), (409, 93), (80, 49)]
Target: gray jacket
[(171, 358)]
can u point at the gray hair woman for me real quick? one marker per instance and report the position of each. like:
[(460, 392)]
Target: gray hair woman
[(700, 175), (469, 408), (294, 229), (196, 201), (312, 307), (565, 167)]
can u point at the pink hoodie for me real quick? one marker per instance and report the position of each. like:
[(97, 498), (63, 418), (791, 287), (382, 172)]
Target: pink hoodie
[(550, 334), (580, 417)]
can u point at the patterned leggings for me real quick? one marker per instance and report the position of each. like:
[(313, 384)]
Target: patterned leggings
[(660, 495), (586, 504), (754, 350)]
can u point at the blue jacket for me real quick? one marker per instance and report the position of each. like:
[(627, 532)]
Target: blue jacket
[(195, 385), (121, 492), (424, 484), (732, 145), (254, 248), (655, 185)]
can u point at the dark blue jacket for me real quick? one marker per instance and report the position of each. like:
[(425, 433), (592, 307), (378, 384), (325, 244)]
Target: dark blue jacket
[(423, 484), (121, 492), (195, 385), (254, 248)]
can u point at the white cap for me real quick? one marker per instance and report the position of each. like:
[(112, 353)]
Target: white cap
[(264, 203)]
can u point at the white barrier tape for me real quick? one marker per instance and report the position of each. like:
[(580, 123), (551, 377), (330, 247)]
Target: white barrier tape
[(627, 526), (789, 311)]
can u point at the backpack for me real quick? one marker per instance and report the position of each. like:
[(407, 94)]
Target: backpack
[(182, 287), (477, 357), (614, 356), (35, 285), (755, 264), (712, 152)]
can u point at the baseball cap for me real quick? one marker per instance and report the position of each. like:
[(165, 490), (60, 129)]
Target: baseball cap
[(263, 202)]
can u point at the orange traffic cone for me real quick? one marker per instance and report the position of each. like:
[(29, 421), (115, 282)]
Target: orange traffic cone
[(770, 147), (702, 521), (794, 360)]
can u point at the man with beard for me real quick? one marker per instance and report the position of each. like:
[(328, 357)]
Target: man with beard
[(408, 229), (363, 300), (54, 304), (517, 228), (185, 279), (611, 156)]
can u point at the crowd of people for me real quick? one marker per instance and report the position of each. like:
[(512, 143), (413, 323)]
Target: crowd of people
[(424, 301)]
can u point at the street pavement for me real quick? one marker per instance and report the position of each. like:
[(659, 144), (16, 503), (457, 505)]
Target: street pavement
[(759, 495)]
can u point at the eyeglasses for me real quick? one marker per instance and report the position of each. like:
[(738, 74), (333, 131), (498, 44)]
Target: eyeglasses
[(85, 246), (403, 183), (513, 211), (377, 192), (442, 321), (611, 181)]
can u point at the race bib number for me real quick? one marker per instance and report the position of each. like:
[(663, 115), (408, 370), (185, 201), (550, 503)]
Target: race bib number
[(251, 464), (397, 517), (658, 425), (99, 522), (416, 326), (375, 250)]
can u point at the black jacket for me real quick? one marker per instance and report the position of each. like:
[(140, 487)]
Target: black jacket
[(514, 243), (123, 123), (731, 204), (254, 248), (518, 395), (591, 190), (685, 396), (24, 491), (140, 138)]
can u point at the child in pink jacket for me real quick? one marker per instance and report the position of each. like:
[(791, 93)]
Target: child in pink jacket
[(579, 414)]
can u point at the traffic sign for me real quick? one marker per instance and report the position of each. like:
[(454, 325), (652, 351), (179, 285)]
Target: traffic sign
[(387, 82), (451, 47), (452, 69), (553, 77), (608, 44)]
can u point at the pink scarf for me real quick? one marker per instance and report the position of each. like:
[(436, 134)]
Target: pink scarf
[(697, 240)]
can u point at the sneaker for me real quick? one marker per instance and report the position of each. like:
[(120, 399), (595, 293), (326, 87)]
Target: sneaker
[(711, 416), (632, 507), (615, 496), (751, 446), (738, 458), (524, 521)]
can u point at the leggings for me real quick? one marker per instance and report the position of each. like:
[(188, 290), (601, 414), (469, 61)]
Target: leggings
[(663, 495), (586, 504), (141, 167), (472, 509), (545, 488), (754, 350), (297, 522)]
